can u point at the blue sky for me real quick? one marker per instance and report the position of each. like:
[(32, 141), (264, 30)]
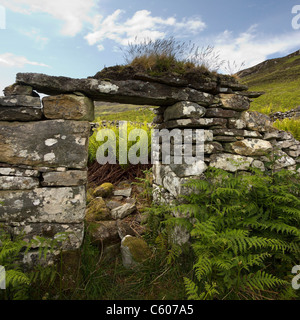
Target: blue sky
[(77, 38)]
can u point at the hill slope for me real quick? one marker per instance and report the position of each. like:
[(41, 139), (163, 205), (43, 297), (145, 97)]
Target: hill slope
[(280, 80)]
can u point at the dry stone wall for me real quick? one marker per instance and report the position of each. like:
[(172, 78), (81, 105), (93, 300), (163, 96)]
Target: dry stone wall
[(43, 163), (44, 148)]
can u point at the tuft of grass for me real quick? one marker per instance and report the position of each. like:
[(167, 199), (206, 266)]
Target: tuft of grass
[(169, 55)]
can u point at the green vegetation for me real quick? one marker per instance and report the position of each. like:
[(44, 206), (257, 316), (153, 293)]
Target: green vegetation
[(290, 125), (21, 284), (125, 112), (280, 81), (245, 235), (111, 132), (244, 242)]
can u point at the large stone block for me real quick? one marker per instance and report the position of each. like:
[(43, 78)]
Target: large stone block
[(252, 147), (58, 205), (235, 102), (20, 108), (65, 179), (184, 109), (69, 107), (73, 233), (230, 162), (53, 143)]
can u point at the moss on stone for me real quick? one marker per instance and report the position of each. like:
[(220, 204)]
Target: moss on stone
[(138, 248), (97, 210), (105, 190)]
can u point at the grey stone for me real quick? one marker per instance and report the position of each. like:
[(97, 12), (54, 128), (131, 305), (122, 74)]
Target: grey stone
[(66, 179), (53, 143), (229, 162), (123, 211), (18, 183), (194, 123), (251, 147), (73, 233), (123, 192), (20, 101), (18, 172), (125, 91), (184, 109), (16, 89), (58, 205), (15, 113), (104, 233), (221, 113), (257, 121), (235, 102)]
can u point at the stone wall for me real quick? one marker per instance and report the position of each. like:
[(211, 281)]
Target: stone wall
[(43, 163), (44, 149)]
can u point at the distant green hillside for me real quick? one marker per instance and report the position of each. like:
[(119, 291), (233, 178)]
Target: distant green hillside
[(126, 112), (279, 79)]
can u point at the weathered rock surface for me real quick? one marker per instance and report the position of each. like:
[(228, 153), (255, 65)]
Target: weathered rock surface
[(20, 101), (16, 89), (97, 210), (231, 163), (252, 147), (235, 102), (104, 233), (184, 109), (194, 123), (134, 251), (125, 91), (64, 179), (20, 114), (18, 183), (57, 205), (69, 107), (52, 143), (123, 211), (74, 232)]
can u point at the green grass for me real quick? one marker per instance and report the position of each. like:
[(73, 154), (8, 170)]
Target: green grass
[(280, 82), (125, 112), (290, 125)]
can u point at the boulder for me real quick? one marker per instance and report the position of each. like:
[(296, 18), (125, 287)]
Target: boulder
[(97, 210), (134, 251), (103, 233), (104, 191)]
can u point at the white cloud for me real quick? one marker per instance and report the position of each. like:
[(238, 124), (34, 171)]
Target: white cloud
[(12, 60), (35, 35), (73, 13), (142, 25), (253, 47)]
